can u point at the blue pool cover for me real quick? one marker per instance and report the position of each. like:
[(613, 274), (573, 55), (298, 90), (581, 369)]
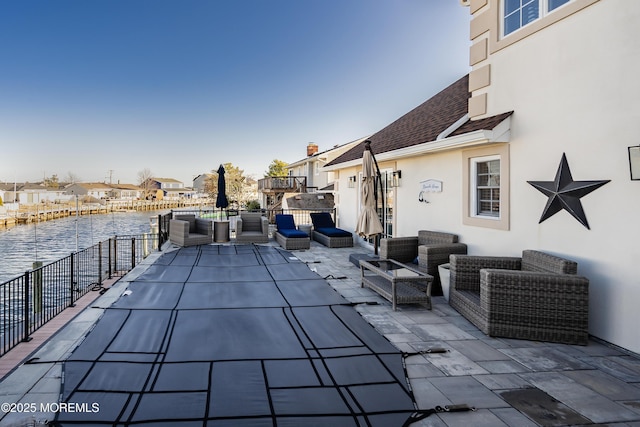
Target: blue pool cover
[(236, 336)]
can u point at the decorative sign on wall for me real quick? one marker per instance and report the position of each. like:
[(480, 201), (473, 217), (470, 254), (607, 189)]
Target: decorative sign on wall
[(429, 186), (565, 193)]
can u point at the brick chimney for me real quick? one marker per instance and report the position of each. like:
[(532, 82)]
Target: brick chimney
[(312, 149)]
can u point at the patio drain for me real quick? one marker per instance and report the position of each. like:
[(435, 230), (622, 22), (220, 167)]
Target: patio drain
[(542, 408)]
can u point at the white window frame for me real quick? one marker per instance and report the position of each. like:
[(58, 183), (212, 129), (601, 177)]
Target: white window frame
[(543, 11), (470, 158), (473, 185)]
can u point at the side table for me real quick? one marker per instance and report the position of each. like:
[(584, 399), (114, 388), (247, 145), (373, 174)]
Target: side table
[(305, 228), (220, 231)]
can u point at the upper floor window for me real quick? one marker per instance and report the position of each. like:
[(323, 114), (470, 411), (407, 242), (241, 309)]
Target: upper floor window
[(518, 13)]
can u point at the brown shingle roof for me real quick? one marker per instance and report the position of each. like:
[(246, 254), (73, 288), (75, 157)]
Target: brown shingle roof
[(487, 123), (424, 123)]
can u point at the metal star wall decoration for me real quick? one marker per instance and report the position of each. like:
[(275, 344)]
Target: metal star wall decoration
[(565, 193)]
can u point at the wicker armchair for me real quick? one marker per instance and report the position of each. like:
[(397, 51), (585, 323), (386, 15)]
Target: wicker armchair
[(430, 248), (187, 230), (252, 228), (537, 297)]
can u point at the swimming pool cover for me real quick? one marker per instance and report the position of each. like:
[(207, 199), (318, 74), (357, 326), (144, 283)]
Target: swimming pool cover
[(234, 336)]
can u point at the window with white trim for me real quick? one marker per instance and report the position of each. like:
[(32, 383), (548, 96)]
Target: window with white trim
[(485, 185), (485, 192), (519, 13)]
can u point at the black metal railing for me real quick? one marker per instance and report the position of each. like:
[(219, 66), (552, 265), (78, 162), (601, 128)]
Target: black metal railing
[(162, 226), (29, 301)]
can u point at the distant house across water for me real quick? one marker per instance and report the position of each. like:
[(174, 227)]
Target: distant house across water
[(167, 188)]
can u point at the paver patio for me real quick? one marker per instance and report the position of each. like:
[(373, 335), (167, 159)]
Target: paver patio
[(508, 382)]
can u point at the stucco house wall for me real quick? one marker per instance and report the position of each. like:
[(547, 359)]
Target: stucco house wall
[(346, 199), (571, 86), (574, 90), (437, 210)]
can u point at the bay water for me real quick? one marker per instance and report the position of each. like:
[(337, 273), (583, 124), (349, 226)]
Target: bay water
[(49, 241)]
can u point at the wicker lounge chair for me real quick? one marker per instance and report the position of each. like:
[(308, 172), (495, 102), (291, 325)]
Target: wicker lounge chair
[(187, 230), (326, 233), (429, 248), (252, 228), (537, 297), (288, 236)]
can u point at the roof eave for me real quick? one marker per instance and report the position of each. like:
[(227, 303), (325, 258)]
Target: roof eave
[(316, 156), (500, 133), (301, 162)]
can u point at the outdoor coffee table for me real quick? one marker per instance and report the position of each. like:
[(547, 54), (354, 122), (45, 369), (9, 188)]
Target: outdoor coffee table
[(396, 282)]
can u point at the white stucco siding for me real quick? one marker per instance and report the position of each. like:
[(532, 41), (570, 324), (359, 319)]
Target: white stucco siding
[(346, 199), (606, 254), (444, 210), (574, 90)]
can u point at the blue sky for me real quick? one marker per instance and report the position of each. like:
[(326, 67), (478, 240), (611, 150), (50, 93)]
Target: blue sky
[(180, 86)]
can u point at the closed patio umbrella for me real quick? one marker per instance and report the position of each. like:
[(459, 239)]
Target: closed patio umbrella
[(368, 222), (221, 199)]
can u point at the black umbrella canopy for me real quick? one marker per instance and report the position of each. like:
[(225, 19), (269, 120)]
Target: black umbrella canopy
[(221, 200)]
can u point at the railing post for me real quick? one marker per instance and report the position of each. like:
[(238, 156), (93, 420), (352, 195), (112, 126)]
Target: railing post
[(99, 262), (160, 242), (165, 228), (71, 280), (26, 313), (133, 252), (37, 286), (115, 254), (110, 271)]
